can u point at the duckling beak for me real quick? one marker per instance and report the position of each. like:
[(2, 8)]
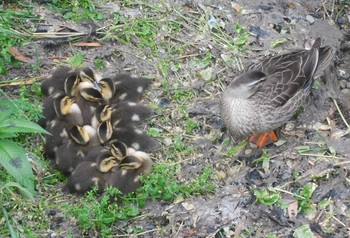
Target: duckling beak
[(97, 85)]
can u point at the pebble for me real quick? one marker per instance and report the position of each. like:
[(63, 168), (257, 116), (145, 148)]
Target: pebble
[(258, 31), (310, 19), (341, 20), (343, 83), (343, 74), (346, 93), (289, 126)]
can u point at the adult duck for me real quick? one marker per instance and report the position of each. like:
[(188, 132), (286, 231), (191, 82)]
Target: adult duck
[(267, 94)]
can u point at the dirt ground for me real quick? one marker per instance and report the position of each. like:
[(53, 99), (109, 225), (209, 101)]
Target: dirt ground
[(232, 210)]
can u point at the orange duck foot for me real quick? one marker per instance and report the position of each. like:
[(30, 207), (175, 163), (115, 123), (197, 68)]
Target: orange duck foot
[(264, 139)]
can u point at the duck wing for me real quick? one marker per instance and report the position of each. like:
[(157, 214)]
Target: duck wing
[(285, 78)]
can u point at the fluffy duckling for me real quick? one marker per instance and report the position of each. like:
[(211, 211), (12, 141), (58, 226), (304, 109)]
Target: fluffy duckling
[(127, 177), (104, 132), (266, 95), (74, 150), (123, 87), (67, 114), (62, 106), (134, 137), (54, 83), (87, 74), (125, 113), (91, 173), (88, 98), (102, 113)]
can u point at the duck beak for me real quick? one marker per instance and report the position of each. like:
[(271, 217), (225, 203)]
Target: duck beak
[(97, 85)]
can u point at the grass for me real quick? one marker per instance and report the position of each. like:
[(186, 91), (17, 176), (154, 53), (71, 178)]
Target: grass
[(12, 23)]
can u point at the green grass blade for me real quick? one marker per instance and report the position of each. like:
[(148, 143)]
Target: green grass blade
[(12, 231), (23, 191), (13, 158)]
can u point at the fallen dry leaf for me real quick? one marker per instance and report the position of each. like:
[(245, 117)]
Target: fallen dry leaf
[(293, 210), (236, 7), (88, 44), (18, 55)]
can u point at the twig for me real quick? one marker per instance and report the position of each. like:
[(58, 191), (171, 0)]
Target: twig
[(341, 114), (319, 155), (21, 82), (340, 222), (287, 192)]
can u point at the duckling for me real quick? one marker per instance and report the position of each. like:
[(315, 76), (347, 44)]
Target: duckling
[(67, 114), (119, 150), (123, 87), (134, 137), (127, 177), (88, 98), (60, 106), (102, 113), (73, 150), (104, 131), (55, 82), (265, 95), (125, 113), (90, 173), (87, 74)]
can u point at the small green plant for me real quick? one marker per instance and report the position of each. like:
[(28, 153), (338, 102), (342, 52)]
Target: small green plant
[(272, 196), (12, 156), (12, 23), (77, 10), (161, 184), (76, 60), (267, 197), (100, 64), (303, 231), (100, 214), (305, 203), (264, 159)]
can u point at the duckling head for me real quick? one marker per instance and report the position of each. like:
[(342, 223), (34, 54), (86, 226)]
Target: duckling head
[(87, 74), (102, 113), (118, 149), (107, 164), (107, 88), (71, 83), (137, 160), (104, 131), (64, 105), (82, 134), (89, 92)]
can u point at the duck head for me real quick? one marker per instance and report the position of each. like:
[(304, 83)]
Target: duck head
[(107, 88), (82, 134), (89, 92), (107, 164), (104, 131)]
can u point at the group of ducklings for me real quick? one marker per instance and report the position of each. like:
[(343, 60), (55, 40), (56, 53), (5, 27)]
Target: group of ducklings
[(95, 124)]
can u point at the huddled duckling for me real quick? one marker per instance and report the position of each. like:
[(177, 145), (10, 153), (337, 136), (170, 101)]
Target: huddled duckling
[(96, 128), (107, 170), (74, 149), (123, 87)]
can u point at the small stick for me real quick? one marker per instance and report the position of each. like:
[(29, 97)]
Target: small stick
[(22, 82), (341, 114)]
